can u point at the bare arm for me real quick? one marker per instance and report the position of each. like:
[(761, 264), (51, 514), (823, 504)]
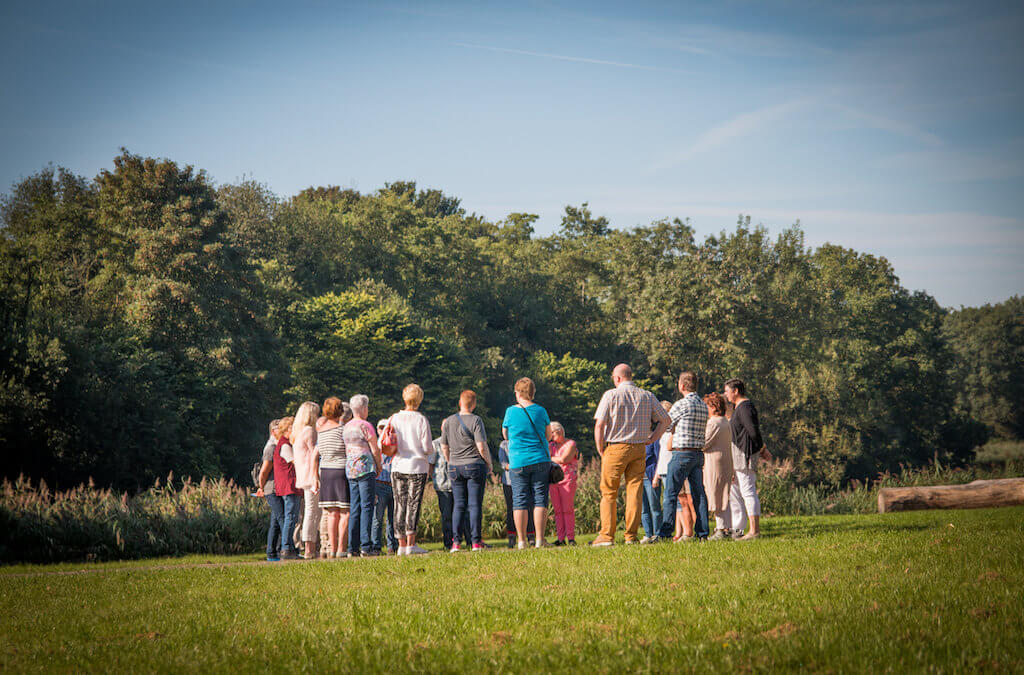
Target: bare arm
[(485, 453), (264, 476), (566, 454), (599, 428)]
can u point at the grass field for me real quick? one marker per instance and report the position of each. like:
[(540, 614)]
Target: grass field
[(899, 592)]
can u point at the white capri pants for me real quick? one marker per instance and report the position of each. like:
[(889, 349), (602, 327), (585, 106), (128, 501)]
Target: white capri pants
[(743, 499), (310, 515)]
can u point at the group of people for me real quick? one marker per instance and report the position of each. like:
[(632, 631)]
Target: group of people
[(334, 478)]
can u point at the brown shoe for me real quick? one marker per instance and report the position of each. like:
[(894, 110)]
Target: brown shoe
[(602, 541)]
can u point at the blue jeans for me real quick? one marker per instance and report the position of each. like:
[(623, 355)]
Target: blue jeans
[(292, 510), (685, 465), (446, 504), (360, 520), (276, 528), (651, 514), (385, 506), (530, 486), (468, 483)]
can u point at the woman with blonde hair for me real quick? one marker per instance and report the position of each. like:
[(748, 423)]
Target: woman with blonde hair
[(409, 468), (306, 478), (334, 493), (528, 428), (284, 485)]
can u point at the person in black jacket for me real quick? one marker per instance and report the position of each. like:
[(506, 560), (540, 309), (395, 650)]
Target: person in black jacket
[(747, 448)]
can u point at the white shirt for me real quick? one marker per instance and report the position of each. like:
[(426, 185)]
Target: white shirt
[(415, 444), (664, 454)]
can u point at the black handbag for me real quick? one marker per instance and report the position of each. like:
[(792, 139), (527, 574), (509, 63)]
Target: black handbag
[(555, 473)]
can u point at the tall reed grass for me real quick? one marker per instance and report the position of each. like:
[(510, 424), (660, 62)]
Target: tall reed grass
[(219, 517)]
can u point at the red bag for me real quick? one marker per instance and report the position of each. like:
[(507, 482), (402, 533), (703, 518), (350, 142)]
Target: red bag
[(388, 440)]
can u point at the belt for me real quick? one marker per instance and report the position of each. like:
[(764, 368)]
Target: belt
[(687, 449)]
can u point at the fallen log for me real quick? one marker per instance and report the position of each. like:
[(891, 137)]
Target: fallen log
[(977, 495)]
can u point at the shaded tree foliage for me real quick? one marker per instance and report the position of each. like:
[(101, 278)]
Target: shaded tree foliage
[(153, 322)]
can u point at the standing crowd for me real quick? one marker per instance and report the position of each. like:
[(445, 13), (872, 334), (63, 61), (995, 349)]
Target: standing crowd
[(332, 478)]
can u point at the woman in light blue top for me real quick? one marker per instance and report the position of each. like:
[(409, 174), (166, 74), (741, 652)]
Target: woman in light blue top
[(528, 428)]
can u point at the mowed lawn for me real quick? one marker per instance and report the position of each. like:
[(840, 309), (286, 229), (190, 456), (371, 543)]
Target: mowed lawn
[(900, 592)]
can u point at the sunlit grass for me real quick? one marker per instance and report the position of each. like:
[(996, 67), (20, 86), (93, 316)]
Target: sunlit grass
[(899, 592)]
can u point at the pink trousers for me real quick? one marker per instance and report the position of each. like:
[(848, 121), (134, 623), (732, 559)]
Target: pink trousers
[(562, 496)]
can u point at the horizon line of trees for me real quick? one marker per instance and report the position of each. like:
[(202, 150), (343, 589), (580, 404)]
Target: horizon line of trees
[(155, 322)]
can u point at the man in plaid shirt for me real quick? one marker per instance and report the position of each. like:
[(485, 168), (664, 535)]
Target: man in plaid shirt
[(627, 420), (690, 417)]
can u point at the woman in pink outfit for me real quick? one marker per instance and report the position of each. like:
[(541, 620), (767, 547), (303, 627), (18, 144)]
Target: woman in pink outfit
[(564, 454)]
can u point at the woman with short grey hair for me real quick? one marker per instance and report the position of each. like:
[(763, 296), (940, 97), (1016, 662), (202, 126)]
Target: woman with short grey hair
[(362, 464)]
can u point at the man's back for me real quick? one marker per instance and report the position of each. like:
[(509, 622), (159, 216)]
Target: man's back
[(630, 412)]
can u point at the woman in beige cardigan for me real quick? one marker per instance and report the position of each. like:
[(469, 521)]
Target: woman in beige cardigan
[(718, 469)]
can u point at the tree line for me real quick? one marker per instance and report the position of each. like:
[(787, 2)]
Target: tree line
[(154, 321)]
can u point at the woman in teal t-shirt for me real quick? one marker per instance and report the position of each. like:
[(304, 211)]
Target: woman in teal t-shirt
[(527, 428)]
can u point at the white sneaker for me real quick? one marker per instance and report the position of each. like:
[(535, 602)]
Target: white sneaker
[(403, 550), (415, 550), (522, 545)]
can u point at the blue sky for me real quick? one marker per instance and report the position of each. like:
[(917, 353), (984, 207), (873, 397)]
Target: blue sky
[(894, 129)]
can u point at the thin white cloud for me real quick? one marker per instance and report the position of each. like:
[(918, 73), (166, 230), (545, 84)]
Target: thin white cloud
[(893, 126), (741, 125), (563, 57)]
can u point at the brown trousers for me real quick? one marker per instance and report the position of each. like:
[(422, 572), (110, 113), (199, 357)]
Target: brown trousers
[(621, 459)]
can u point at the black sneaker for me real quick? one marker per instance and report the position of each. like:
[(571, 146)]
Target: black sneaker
[(370, 554), (289, 555), (571, 542), (559, 542)]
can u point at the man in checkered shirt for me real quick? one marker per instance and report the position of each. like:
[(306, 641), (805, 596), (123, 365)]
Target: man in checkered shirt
[(627, 420), (690, 419)]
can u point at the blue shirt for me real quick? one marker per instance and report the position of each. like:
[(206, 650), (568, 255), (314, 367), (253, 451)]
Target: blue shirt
[(651, 459), (503, 461), (385, 470), (526, 442)]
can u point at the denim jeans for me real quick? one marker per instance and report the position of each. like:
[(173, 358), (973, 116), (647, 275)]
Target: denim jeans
[(292, 508), (651, 515), (275, 531), (385, 506), (468, 483), (530, 486), (360, 519), (685, 465), (446, 503)]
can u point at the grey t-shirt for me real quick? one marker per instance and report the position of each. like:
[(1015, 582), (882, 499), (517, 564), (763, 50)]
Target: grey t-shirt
[(268, 456), (462, 443)]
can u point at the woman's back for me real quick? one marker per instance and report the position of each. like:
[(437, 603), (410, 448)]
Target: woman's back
[(526, 443), (415, 444), (331, 447)]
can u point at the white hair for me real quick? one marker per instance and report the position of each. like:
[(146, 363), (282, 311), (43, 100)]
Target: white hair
[(557, 425), (359, 402)]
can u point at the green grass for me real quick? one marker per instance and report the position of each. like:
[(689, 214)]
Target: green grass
[(938, 590)]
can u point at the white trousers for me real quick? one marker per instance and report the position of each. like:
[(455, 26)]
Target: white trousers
[(310, 515), (723, 519), (743, 499)]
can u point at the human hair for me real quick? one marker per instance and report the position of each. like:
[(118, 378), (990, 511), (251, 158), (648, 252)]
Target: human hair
[(737, 384), (716, 402), (359, 402), (332, 408), (687, 381), (667, 405), (526, 388), (284, 427), (467, 398), (273, 426), (412, 395), (558, 426), (304, 417)]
